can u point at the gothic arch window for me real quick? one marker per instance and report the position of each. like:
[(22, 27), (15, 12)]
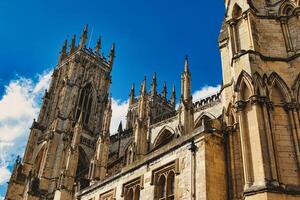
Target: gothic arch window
[(84, 104), (129, 194), (285, 11), (161, 187), (131, 190), (163, 179), (203, 121), (164, 137), (38, 161), (171, 185), (82, 169), (129, 155), (235, 26), (285, 152), (236, 11), (137, 192)]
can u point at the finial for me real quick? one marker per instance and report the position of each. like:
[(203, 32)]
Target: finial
[(120, 128), (173, 96), (83, 36), (164, 91), (132, 95), (143, 86), (112, 54), (72, 45), (153, 84), (98, 45), (186, 64), (63, 52)]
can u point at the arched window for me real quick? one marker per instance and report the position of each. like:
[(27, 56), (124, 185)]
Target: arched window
[(171, 185), (82, 169), (137, 193), (84, 104), (236, 12), (163, 138), (203, 121), (235, 29), (38, 161), (161, 188), (129, 195)]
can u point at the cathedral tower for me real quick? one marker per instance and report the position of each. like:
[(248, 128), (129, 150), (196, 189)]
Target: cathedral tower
[(260, 49), (73, 123)]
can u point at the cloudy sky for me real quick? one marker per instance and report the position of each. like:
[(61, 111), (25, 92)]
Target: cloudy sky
[(150, 36)]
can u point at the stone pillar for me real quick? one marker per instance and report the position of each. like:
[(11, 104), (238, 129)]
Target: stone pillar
[(246, 151)]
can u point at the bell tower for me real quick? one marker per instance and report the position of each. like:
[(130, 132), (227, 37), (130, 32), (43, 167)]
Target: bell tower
[(73, 119), (260, 50)]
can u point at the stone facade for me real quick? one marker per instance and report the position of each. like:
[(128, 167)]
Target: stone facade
[(242, 143)]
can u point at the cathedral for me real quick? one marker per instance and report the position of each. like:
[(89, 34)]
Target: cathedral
[(241, 143)]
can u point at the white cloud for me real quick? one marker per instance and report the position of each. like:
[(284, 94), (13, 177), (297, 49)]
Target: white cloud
[(119, 111), (18, 106), (205, 91), (4, 174)]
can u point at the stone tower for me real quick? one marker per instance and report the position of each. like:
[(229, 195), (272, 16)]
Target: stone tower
[(260, 49), (73, 123)]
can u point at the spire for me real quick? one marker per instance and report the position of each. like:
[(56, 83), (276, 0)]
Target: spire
[(186, 64), (132, 95), (83, 37), (63, 52), (186, 81), (164, 91), (107, 117), (120, 129), (173, 96), (98, 45), (72, 45), (153, 84), (112, 54), (143, 87)]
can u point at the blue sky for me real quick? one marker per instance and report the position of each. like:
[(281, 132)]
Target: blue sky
[(150, 36)]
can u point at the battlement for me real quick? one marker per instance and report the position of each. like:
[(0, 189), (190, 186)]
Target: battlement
[(207, 100)]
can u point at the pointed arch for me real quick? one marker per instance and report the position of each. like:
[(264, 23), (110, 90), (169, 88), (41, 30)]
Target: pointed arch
[(296, 88), (82, 168), (286, 9), (38, 158), (258, 85), (170, 185), (277, 83), (236, 11), (165, 135), (244, 86), (130, 194), (161, 193), (203, 118), (84, 103), (129, 153)]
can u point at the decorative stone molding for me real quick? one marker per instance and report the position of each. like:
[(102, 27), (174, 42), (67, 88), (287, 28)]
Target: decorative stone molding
[(240, 105), (171, 166), (109, 195), (133, 184)]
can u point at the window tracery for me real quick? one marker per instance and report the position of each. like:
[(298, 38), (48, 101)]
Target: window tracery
[(131, 190), (84, 104), (163, 179)]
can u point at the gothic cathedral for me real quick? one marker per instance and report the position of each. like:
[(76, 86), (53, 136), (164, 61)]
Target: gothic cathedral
[(241, 143)]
